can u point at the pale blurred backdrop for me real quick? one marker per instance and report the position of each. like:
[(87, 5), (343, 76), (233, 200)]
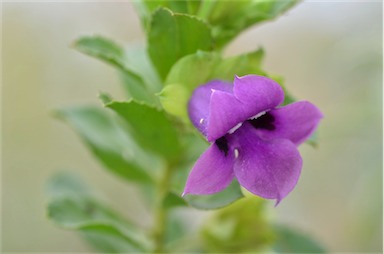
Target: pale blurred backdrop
[(330, 53)]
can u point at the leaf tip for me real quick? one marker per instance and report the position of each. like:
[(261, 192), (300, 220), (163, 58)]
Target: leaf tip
[(105, 98)]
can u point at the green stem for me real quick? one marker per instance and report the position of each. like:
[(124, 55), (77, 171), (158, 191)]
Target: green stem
[(160, 212)]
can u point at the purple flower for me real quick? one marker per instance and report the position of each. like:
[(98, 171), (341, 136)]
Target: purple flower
[(252, 138)]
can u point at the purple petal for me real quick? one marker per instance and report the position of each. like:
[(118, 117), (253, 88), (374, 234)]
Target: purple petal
[(252, 95), (296, 122), (258, 93), (198, 106), (269, 169), (225, 113), (212, 172)]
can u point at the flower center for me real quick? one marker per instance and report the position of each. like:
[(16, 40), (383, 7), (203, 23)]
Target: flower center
[(263, 122), (222, 144)]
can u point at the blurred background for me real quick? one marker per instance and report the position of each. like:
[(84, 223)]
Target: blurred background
[(330, 53)]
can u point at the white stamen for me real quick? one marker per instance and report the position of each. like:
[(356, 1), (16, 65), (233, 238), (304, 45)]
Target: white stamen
[(258, 115), (201, 121), (236, 152), (235, 128)]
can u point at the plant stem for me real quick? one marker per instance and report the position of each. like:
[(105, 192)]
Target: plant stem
[(160, 213)]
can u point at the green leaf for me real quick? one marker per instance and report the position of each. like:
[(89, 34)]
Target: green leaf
[(146, 7), (176, 230), (111, 53), (229, 18), (64, 184), (172, 36), (209, 66), (137, 60), (104, 229), (173, 200), (150, 127), (109, 239), (292, 241), (218, 200), (313, 139), (109, 142), (242, 227)]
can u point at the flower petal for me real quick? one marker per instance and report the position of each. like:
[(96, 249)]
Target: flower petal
[(212, 172), (225, 113), (252, 95), (296, 122), (269, 169), (258, 93), (198, 106)]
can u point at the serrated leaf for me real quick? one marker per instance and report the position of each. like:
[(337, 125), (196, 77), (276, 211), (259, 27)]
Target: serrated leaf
[(209, 66), (218, 200), (230, 18), (146, 7), (292, 241), (103, 228), (109, 142), (172, 36), (150, 127), (113, 54)]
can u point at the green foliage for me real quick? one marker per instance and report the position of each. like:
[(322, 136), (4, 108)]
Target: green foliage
[(146, 7), (313, 139), (178, 86), (109, 142), (137, 59), (173, 200), (218, 200), (229, 18), (243, 227), (293, 241), (172, 36), (239, 228), (111, 53), (150, 127), (176, 228), (72, 207)]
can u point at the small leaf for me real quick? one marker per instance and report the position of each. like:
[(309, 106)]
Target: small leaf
[(146, 7), (64, 184), (172, 36), (292, 241), (111, 53), (230, 18), (218, 200), (150, 127), (109, 142), (173, 200), (104, 229), (313, 139)]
